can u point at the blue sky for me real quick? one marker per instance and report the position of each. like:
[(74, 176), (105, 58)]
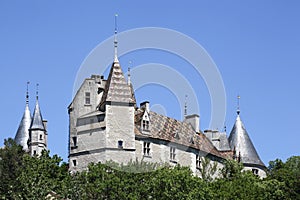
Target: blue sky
[(255, 45)]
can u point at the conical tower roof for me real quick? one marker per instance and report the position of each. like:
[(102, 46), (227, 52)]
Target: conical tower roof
[(240, 141), (22, 134), (37, 119)]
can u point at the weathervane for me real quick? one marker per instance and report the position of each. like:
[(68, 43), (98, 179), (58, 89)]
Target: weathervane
[(238, 104)]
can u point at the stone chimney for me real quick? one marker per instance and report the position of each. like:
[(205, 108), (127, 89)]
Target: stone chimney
[(145, 105), (194, 120)]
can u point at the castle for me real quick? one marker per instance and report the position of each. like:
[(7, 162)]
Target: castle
[(32, 132), (105, 123)]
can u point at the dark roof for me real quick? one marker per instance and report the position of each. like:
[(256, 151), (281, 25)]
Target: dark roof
[(37, 119), (117, 88), (172, 130), (240, 141)]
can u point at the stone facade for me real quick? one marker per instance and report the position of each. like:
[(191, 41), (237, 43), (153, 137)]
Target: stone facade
[(106, 124)]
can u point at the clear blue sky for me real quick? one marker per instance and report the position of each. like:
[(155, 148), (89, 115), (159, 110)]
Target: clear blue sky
[(255, 45)]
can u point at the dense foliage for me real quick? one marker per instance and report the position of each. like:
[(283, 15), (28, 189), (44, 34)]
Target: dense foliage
[(26, 177)]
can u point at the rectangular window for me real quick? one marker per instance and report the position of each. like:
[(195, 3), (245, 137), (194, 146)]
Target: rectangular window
[(120, 144), (74, 141), (145, 125), (41, 137), (74, 163), (172, 153), (198, 161), (146, 149), (87, 98)]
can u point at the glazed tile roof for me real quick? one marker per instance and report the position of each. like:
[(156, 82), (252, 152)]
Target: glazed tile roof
[(117, 88), (172, 130)]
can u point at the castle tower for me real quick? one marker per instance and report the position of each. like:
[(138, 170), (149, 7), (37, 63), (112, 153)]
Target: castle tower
[(37, 131), (118, 103), (245, 151), (22, 135)]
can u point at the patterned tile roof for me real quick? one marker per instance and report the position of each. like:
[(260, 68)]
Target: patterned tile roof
[(117, 88), (172, 130)]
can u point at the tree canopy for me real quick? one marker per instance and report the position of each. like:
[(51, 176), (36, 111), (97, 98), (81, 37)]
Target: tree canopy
[(26, 177)]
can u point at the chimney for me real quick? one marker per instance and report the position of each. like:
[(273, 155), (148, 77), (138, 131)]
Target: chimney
[(145, 105), (194, 120)]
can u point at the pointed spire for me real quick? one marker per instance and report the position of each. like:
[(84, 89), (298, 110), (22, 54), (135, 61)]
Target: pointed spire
[(115, 40), (185, 106), (128, 74), (240, 141), (27, 94), (37, 119), (22, 135), (238, 105)]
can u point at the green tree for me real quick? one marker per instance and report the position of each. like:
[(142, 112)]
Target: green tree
[(10, 167), (42, 175)]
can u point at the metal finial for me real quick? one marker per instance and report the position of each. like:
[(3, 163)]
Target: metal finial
[(115, 40), (37, 91), (238, 104), (27, 93), (128, 74), (185, 106)]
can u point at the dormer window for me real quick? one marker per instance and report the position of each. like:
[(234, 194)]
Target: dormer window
[(87, 98), (145, 125)]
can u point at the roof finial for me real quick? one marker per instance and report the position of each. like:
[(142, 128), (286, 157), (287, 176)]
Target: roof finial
[(27, 94), (185, 106), (115, 40), (128, 74), (37, 91), (238, 105)]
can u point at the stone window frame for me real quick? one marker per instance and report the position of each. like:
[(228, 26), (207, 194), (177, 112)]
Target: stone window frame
[(173, 154), (87, 98), (147, 149), (198, 161)]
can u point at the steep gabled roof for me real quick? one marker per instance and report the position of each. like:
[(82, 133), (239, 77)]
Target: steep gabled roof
[(240, 141), (172, 130), (117, 89), (37, 119), (22, 134)]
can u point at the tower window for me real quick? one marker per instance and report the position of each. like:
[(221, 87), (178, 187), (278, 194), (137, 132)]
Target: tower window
[(146, 149), (74, 141), (74, 163), (198, 161), (145, 125), (120, 144), (172, 153), (41, 137), (87, 98), (34, 152)]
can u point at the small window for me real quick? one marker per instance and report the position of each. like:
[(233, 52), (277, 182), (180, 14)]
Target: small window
[(74, 141), (255, 171), (87, 98), (146, 149), (145, 125), (172, 153), (120, 144), (41, 137), (74, 163), (34, 152), (198, 161)]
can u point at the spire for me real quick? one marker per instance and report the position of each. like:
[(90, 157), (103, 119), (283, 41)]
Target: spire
[(128, 74), (115, 41), (22, 135), (240, 141), (238, 105), (185, 106), (37, 119)]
